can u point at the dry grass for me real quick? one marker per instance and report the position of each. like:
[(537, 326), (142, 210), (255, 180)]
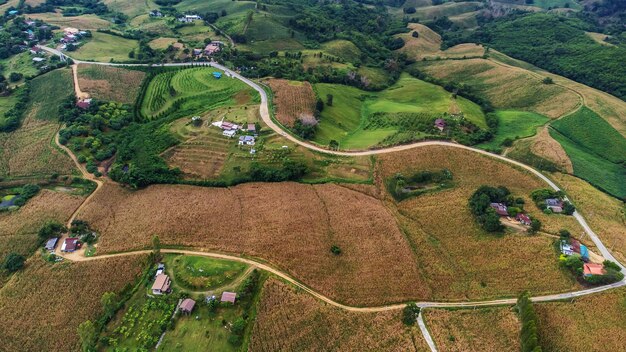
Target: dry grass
[(485, 330), (292, 99), (291, 225), (428, 43), (200, 157), (91, 22), (45, 303), (18, 230), (456, 257), (29, 151), (506, 87), (605, 214), (288, 320), (110, 83), (590, 323), (545, 146), (599, 38), (162, 43)]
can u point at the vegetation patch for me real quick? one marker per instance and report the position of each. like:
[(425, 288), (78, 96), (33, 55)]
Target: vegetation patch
[(202, 273), (528, 317), (106, 47), (292, 100), (514, 125), (110, 83), (401, 187)]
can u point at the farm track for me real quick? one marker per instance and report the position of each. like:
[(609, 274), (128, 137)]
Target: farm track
[(265, 115)]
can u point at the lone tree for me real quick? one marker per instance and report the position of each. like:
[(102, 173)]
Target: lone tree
[(415, 34), (410, 313), (109, 303), (13, 262), (329, 99), (88, 336)]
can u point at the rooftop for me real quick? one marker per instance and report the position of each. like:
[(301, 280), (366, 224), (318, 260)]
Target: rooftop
[(228, 297), (593, 269)]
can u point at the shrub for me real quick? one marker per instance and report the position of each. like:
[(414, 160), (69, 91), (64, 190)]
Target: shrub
[(335, 250), (410, 313), (13, 262)]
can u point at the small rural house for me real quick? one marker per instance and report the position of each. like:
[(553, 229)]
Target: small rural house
[(225, 125), (229, 133), (187, 305), (39, 59), (440, 124), (593, 269), (70, 244), (197, 52), (155, 13), (500, 208), (252, 128), (161, 285), (211, 48), (246, 140), (83, 103), (554, 204), (228, 297), (35, 50), (581, 249), (523, 219), (51, 244)]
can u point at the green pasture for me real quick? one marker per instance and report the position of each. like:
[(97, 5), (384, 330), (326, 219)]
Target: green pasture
[(343, 121), (106, 47), (202, 6), (594, 169), (202, 273), (195, 90), (20, 63), (514, 125), (48, 92), (342, 48), (593, 133), (6, 103)]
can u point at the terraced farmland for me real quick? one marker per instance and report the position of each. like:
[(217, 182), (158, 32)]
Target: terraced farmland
[(200, 157), (193, 90)]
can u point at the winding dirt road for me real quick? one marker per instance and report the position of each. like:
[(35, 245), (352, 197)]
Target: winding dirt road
[(264, 111)]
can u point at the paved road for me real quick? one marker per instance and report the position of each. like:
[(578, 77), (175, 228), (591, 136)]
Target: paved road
[(265, 115)]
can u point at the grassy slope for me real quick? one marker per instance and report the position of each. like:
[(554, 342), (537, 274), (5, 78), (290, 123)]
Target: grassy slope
[(515, 124), (106, 47), (6, 103), (21, 63), (342, 121)]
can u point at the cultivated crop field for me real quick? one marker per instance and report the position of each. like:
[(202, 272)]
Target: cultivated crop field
[(601, 317), (30, 150), (289, 320), (295, 226), (514, 125), (344, 120), (195, 90), (91, 22), (523, 90), (110, 83), (291, 100), (106, 47), (18, 229), (484, 329), (74, 295), (457, 258)]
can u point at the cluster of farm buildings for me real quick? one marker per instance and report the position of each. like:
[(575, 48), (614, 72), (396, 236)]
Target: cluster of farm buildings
[(162, 285)]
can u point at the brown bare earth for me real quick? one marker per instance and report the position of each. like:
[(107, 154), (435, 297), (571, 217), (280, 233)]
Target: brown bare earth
[(288, 320), (545, 146), (292, 99), (46, 302), (506, 87), (590, 323), (605, 214), (455, 256), (28, 151), (485, 329), (291, 225), (110, 83), (18, 229)]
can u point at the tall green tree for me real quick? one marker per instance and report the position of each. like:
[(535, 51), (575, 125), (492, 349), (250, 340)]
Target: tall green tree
[(88, 336)]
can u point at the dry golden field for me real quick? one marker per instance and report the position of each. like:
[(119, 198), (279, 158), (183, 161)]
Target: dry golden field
[(506, 87), (292, 99), (605, 214), (110, 83), (457, 259), (547, 147), (46, 302), (288, 320), (291, 225), (29, 151), (485, 329), (590, 323), (18, 230), (91, 22)]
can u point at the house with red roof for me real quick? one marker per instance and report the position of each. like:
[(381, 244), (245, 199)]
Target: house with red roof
[(593, 269), (500, 208), (523, 219), (70, 244)]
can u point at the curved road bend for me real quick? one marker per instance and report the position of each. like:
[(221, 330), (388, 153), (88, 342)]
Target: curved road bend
[(264, 111)]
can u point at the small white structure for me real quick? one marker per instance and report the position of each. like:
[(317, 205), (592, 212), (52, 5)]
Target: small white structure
[(566, 248), (229, 133), (38, 59), (189, 18)]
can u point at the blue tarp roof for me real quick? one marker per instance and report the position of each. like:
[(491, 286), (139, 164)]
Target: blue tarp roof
[(584, 252), (217, 74)]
